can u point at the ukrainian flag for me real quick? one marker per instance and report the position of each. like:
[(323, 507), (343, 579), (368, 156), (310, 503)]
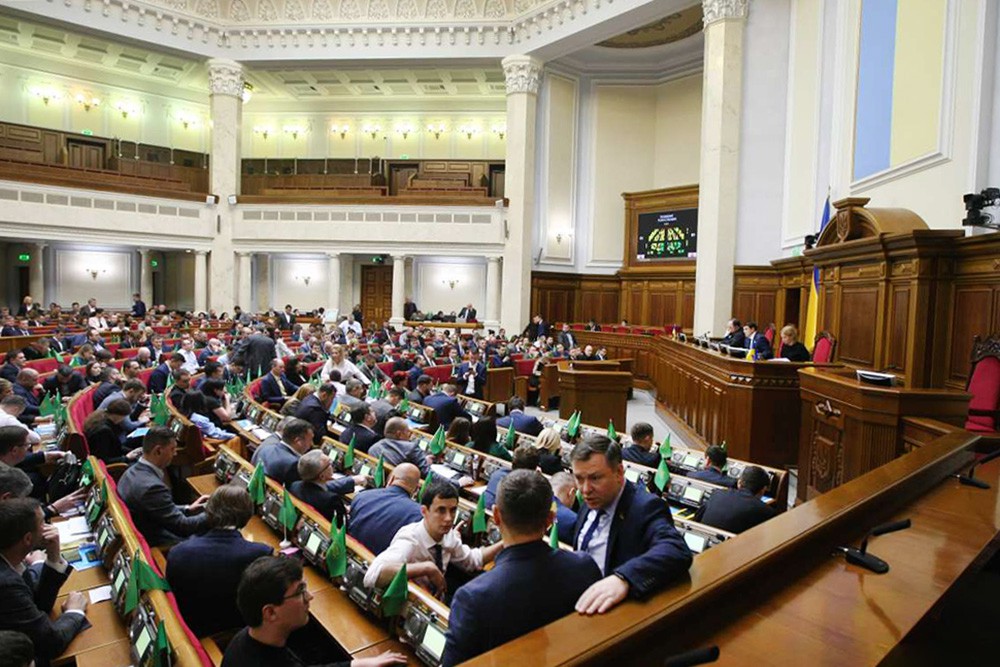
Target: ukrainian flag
[(812, 308)]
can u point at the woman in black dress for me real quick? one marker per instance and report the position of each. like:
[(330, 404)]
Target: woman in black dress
[(791, 348)]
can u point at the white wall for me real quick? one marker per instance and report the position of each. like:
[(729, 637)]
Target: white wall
[(433, 293), (178, 283), (556, 194), (74, 278), (288, 286), (677, 148)]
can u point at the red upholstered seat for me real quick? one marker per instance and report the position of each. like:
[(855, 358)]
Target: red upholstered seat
[(43, 365), (112, 347), (145, 374), (984, 385), (127, 352), (524, 366), (823, 349), (313, 366), (387, 367), (577, 327), (439, 373), (769, 334)]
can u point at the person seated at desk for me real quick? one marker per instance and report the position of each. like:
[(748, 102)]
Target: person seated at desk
[(144, 492), (791, 348), (734, 334), (11, 408), (422, 389), (64, 383), (446, 405), (103, 431), (484, 435), (542, 584), (15, 450), (317, 487), (194, 406), (354, 395), (276, 388), (158, 378), (376, 514), (523, 423), (628, 533), (525, 457), (15, 362), (340, 363), (564, 494), (181, 385), (715, 463), (460, 431), (315, 409), (26, 605), (361, 429), (549, 446), (26, 386), (281, 460), (17, 649), (397, 447), (429, 546), (204, 571), (756, 341), (642, 450), (133, 392), (274, 602), (739, 509)]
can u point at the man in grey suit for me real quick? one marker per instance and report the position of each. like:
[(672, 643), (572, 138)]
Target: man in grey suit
[(281, 460), (26, 608), (145, 492), (397, 447)]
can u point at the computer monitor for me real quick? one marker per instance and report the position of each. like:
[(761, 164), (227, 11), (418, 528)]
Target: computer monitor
[(433, 641), (696, 543), (694, 494)]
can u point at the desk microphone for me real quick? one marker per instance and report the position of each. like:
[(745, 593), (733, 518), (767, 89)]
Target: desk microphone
[(860, 556), (969, 479), (698, 656)]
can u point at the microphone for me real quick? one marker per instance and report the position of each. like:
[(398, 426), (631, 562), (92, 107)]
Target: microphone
[(698, 656), (862, 558), (969, 479)]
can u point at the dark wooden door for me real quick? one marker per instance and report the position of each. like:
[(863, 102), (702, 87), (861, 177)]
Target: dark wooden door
[(376, 294), (85, 155)]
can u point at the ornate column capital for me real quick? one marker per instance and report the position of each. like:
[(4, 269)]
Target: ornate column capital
[(225, 77), (720, 10), (333, 255), (522, 73)]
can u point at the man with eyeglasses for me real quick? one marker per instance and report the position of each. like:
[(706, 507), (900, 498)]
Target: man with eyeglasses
[(274, 600)]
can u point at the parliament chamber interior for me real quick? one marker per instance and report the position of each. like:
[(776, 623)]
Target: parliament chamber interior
[(499, 332)]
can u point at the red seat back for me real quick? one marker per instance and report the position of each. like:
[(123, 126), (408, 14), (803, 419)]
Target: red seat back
[(769, 334), (823, 351), (439, 373), (43, 365), (524, 366), (386, 367), (984, 385), (127, 352)]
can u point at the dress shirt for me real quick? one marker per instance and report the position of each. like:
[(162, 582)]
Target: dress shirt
[(413, 544), (190, 360), (59, 566), (10, 420), (347, 370), (598, 546)]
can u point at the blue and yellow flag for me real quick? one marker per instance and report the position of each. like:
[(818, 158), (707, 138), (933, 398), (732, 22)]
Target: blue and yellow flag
[(812, 309)]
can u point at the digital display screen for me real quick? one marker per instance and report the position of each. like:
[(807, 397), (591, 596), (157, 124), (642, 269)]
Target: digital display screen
[(312, 544), (474, 407), (433, 641), (696, 543), (103, 537), (692, 460), (693, 494), (365, 470), (119, 580), (142, 642), (459, 459), (415, 413), (668, 235), (631, 474), (423, 444)]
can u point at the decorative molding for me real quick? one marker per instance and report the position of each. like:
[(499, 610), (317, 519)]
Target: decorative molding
[(225, 77), (722, 10), (522, 73)]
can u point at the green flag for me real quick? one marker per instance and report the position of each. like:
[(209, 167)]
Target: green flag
[(554, 535), (287, 515), (612, 433), (336, 555), (99, 506), (662, 477), (162, 646), (500, 452), (380, 472), (404, 406), (479, 517), (724, 446), (170, 381), (573, 425), (395, 593), (423, 487), (141, 578), (666, 451), (579, 499), (257, 485), (47, 407), (349, 456), (437, 442), (158, 410), (87, 473), (373, 390), (510, 440), (74, 362)]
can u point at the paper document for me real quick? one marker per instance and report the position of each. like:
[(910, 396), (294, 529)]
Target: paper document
[(73, 530), (100, 594)]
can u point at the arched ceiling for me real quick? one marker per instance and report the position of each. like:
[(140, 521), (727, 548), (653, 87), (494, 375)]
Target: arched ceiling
[(671, 28)]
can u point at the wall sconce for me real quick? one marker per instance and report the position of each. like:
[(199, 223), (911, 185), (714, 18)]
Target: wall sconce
[(560, 235), (304, 279), (95, 272), (405, 129), (262, 130), (372, 129), (451, 283), (294, 130), (468, 130), (125, 108), (87, 101), (437, 130), (500, 130), (247, 92), (188, 121), (341, 130), (46, 94)]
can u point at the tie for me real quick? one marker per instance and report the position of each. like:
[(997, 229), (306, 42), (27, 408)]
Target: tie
[(590, 531), (438, 557)]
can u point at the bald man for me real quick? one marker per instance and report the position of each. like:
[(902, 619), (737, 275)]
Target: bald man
[(377, 514)]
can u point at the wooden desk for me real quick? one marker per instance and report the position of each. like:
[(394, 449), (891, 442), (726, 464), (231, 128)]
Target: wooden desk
[(460, 326), (850, 427), (389, 645), (106, 628), (117, 654), (84, 580), (599, 395)]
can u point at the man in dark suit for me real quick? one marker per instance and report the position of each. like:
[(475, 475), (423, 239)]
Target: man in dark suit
[(110, 383), (317, 486), (281, 460), (138, 306), (361, 429), (564, 494), (161, 374), (629, 533), (471, 375), (469, 313), (567, 339), (734, 334), (741, 508), (376, 514), (144, 491), (525, 567), (58, 342), (25, 607), (64, 382), (756, 341), (397, 447), (14, 327), (715, 461), (522, 423), (446, 405), (276, 388), (256, 352), (525, 457), (287, 319), (15, 362), (204, 571), (642, 450), (24, 386), (422, 389), (315, 409)]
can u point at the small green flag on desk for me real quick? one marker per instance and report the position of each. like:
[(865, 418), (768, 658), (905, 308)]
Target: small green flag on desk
[(479, 516), (47, 406), (500, 452), (257, 485), (423, 487), (87, 473), (554, 535), (404, 406), (662, 477), (666, 451), (373, 390), (379, 476), (161, 649), (612, 433), (573, 425), (287, 515), (349, 456), (336, 555), (395, 594), (437, 442), (141, 578), (579, 500), (510, 442)]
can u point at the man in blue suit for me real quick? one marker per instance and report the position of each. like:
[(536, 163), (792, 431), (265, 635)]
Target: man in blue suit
[(377, 514), (522, 423), (317, 486), (281, 460), (446, 405), (629, 533), (276, 387), (541, 583), (715, 461), (204, 571), (315, 409), (158, 378), (525, 457), (642, 449), (471, 375), (756, 341), (564, 493)]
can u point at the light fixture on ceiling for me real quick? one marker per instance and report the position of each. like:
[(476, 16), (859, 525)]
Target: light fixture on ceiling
[(342, 130), (372, 129), (437, 129), (468, 130), (247, 92), (405, 129), (88, 101), (262, 130), (500, 129), (294, 130), (126, 107), (46, 94), (451, 282)]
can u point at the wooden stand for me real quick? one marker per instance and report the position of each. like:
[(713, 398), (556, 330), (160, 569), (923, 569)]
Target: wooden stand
[(850, 427), (600, 396)]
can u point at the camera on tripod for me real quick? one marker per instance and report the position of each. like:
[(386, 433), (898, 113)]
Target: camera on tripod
[(974, 205)]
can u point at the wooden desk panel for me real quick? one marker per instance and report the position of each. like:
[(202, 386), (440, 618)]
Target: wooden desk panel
[(344, 620), (106, 628), (83, 580), (117, 654), (389, 645)]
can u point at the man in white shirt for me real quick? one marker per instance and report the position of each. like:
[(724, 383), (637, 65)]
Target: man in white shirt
[(429, 546), (350, 324), (11, 408), (190, 356)]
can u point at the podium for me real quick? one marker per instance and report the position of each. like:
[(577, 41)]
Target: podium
[(850, 427), (599, 395)]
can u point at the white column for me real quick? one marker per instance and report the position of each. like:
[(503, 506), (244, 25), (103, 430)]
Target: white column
[(225, 80), (725, 21), (36, 275), (333, 281), (522, 74), (398, 289), (145, 278), (244, 282), (263, 291), (200, 281), (492, 292)]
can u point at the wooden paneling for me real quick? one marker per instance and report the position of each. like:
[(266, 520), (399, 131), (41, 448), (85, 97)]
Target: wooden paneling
[(971, 313), (899, 313), (858, 326)]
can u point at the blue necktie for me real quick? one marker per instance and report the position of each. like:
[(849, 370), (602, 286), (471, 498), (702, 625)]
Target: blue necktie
[(590, 531)]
